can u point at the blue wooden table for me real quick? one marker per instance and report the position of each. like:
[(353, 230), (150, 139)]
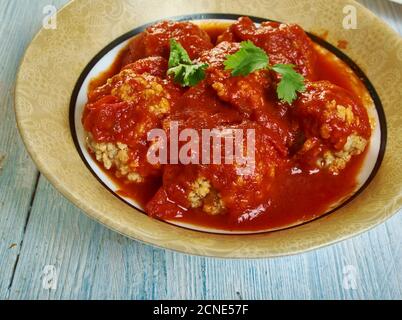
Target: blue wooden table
[(50, 250)]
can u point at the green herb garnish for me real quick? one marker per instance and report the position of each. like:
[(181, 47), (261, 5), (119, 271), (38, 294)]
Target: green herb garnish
[(247, 60), (183, 70), (251, 58), (291, 82)]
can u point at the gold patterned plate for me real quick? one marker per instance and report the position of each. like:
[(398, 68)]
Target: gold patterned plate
[(89, 32)]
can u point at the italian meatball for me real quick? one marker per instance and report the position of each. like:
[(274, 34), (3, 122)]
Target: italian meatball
[(155, 41), (119, 116), (220, 188), (335, 125), (155, 66), (253, 95), (285, 43)]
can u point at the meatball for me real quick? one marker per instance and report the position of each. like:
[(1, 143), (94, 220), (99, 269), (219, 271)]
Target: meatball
[(155, 66), (216, 56), (253, 95), (155, 41), (117, 135), (199, 106), (203, 195), (285, 43), (139, 89), (119, 116), (335, 125), (183, 190), (220, 188), (247, 93), (115, 155)]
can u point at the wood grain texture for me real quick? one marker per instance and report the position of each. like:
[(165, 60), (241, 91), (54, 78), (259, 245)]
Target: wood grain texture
[(95, 263)]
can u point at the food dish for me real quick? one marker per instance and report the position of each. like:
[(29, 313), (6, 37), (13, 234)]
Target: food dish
[(309, 149), (53, 80)]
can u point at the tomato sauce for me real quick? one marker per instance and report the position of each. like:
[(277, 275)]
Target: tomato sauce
[(109, 72), (343, 44), (294, 199), (296, 195)]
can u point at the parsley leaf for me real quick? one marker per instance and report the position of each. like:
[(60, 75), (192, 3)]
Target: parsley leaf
[(291, 82), (248, 59), (188, 75), (178, 54), (182, 68), (251, 58)]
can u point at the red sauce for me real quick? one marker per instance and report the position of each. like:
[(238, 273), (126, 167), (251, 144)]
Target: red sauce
[(297, 194), (343, 44), (110, 72), (294, 199), (324, 35)]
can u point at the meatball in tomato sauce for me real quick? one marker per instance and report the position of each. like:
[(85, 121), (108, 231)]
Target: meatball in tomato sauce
[(155, 40), (220, 189), (119, 116), (335, 124), (285, 43)]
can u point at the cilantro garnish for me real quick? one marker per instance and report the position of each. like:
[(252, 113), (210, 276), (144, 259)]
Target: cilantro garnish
[(291, 82), (248, 59), (251, 58), (183, 70)]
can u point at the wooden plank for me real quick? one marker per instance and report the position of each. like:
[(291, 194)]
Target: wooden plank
[(18, 176), (49, 242), (318, 274), (95, 263)]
